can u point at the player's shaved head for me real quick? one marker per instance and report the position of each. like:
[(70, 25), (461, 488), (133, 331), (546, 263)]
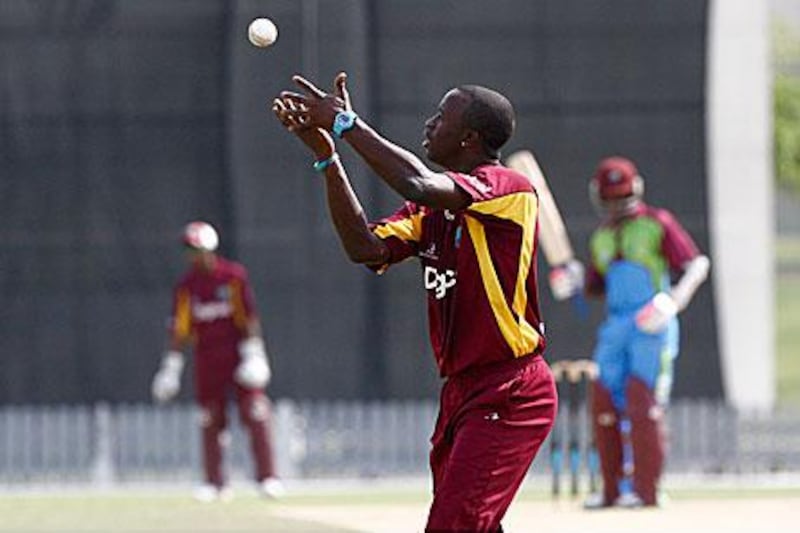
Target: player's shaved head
[(490, 114)]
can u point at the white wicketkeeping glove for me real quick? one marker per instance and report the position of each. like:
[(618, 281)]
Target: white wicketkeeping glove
[(253, 371), (656, 314), (567, 280), (167, 381)]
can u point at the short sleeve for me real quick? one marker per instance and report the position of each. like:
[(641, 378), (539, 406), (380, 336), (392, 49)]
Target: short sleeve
[(401, 232), (477, 189), (677, 245), (180, 323), (243, 299)]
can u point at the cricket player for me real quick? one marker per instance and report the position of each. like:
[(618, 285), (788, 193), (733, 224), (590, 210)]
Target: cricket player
[(473, 229), (214, 312), (633, 254)]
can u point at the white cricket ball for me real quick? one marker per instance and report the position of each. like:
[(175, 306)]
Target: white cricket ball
[(262, 32)]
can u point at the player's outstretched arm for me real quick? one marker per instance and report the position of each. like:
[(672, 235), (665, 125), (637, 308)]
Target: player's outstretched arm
[(654, 316), (348, 217), (695, 273), (402, 170)]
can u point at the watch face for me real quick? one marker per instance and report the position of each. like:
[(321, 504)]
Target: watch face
[(344, 120)]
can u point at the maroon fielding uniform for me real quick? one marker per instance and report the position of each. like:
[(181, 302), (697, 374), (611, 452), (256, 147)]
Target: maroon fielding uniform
[(213, 309), (498, 402)]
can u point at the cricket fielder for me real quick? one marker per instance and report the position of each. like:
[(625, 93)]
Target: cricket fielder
[(214, 311), (632, 254), (472, 227)]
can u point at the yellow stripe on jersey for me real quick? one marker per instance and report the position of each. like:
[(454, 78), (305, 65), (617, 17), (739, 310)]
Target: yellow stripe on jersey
[(521, 209), (516, 207), (182, 327), (408, 229), (237, 301)]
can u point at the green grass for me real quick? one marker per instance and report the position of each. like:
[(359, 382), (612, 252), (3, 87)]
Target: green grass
[(139, 513), (788, 321), (124, 512)]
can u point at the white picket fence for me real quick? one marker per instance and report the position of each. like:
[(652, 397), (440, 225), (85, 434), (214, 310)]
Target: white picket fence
[(105, 444)]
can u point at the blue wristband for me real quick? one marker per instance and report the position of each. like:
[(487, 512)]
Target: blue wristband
[(321, 165)]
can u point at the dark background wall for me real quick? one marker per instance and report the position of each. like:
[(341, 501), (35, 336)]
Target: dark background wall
[(121, 121)]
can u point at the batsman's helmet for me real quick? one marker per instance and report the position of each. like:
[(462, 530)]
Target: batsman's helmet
[(200, 236), (616, 184)]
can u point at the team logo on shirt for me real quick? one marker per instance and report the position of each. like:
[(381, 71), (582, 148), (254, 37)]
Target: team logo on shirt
[(210, 311), (439, 282), (430, 252)]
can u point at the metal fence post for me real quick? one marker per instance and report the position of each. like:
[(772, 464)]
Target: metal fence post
[(290, 439), (103, 471)]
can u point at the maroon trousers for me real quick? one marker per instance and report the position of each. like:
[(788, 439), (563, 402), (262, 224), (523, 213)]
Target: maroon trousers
[(255, 414), (492, 421), (647, 440), (214, 381)]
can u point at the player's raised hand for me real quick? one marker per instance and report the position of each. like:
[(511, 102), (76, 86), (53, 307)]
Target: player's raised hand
[(340, 83), (293, 118), (320, 108)]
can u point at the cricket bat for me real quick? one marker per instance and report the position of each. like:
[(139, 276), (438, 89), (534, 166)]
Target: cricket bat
[(552, 232), (553, 235)]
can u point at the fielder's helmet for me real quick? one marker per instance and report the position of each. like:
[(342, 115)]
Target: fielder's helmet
[(616, 183), (200, 236)]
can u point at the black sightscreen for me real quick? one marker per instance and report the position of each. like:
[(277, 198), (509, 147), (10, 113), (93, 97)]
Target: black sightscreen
[(121, 121)]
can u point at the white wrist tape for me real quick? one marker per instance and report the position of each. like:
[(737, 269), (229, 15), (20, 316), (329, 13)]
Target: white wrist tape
[(695, 273), (656, 314)]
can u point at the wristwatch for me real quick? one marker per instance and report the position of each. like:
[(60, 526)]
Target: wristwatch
[(343, 121)]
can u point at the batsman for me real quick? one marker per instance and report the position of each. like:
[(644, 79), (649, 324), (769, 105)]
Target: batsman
[(634, 254)]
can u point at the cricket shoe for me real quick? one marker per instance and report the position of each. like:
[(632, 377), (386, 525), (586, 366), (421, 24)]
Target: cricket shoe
[(271, 488), (629, 500), (596, 501), (208, 493), (662, 499)]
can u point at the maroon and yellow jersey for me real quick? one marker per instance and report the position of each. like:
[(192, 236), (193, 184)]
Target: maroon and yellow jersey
[(213, 308), (478, 266)]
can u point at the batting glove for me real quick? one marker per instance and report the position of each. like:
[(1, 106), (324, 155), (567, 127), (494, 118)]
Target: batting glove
[(654, 317), (167, 381), (253, 371), (567, 280)]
